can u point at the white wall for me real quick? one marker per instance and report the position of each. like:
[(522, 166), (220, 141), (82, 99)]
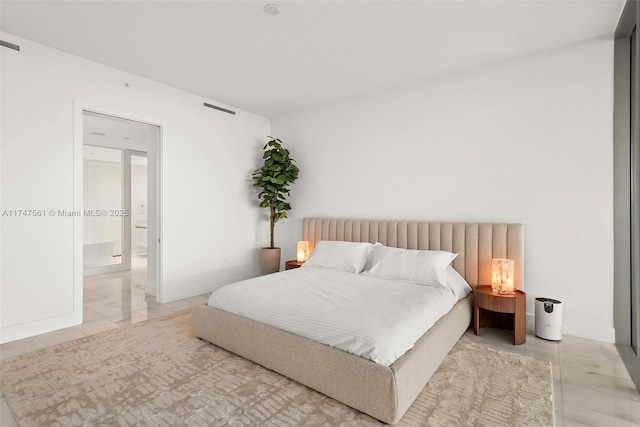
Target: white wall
[(102, 185), (526, 141), (211, 228)]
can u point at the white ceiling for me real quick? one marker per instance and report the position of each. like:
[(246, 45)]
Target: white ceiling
[(111, 155), (313, 52), (101, 154), (106, 131)]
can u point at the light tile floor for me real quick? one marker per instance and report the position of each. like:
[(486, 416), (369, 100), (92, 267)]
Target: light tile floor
[(591, 384), (111, 301)]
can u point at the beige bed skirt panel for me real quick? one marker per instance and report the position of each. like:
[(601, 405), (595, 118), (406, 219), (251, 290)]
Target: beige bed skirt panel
[(475, 243), (413, 373), (383, 392)]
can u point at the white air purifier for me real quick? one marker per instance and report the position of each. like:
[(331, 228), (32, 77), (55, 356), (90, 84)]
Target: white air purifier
[(549, 319)]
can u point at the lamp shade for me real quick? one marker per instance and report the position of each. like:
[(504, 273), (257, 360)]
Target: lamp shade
[(302, 251), (502, 275)]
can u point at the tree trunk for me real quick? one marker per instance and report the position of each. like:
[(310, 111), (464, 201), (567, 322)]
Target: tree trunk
[(272, 219)]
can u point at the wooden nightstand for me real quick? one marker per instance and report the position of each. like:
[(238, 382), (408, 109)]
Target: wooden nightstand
[(292, 263), (494, 310)]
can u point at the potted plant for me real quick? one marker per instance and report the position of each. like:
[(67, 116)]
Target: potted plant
[(273, 179)]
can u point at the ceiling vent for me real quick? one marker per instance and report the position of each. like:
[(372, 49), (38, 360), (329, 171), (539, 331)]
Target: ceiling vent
[(220, 109), (10, 45)]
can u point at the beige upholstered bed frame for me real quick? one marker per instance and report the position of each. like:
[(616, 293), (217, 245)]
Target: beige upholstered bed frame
[(383, 392)]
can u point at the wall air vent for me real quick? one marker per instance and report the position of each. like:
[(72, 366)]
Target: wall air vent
[(10, 45), (220, 109)]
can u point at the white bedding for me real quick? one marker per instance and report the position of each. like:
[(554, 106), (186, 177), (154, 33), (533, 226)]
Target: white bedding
[(373, 318)]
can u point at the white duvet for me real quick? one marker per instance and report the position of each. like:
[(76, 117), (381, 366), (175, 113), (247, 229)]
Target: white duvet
[(373, 318)]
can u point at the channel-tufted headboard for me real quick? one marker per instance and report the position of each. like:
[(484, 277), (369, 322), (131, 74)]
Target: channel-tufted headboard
[(475, 243)]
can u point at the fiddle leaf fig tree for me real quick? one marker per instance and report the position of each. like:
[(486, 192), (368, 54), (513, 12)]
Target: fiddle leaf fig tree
[(273, 179)]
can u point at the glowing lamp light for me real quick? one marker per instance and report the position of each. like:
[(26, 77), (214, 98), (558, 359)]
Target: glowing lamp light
[(303, 251), (502, 275)]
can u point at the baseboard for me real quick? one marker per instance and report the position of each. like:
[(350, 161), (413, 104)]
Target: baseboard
[(603, 334), (26, 330), (531, 323), (150, 288), (607, 335), (175, 293)]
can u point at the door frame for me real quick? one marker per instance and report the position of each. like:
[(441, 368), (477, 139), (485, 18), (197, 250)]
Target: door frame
[(626, 197), (118, 112), (128, 220)]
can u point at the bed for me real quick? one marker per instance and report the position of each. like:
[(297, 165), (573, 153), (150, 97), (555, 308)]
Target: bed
[(383, 392)]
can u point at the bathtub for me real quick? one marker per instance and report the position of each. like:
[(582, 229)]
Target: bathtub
[(97, 254)]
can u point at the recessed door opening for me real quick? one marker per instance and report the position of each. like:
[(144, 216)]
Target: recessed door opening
[(120, 219)]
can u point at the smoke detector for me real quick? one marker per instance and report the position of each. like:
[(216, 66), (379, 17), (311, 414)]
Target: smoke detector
[(272, 9)]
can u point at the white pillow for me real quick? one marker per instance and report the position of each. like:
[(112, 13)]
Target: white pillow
[(457, 284), (411, 265), (344, 256)]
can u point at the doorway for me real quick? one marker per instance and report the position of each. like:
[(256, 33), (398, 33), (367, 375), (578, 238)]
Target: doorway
[(114, 209), (121, 217)]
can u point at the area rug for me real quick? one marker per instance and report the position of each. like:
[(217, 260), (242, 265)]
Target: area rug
[(157, 373)]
